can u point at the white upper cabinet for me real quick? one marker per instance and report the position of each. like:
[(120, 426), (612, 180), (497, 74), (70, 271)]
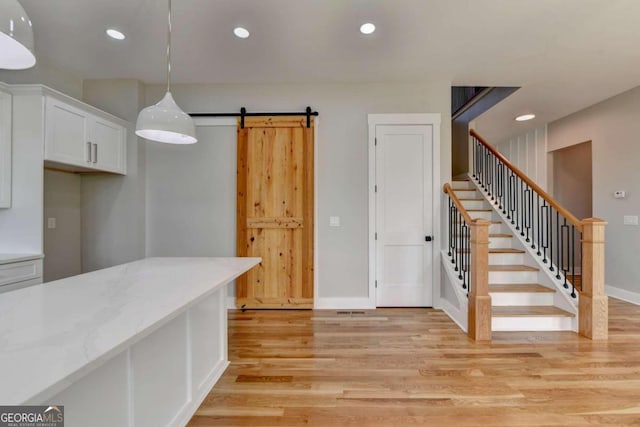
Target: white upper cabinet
[(83, 140), (5, 148), (109, 146), (66, 134)]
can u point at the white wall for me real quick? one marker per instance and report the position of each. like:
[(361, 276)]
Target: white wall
[(612, 126), (62, 245), (342, 164), (113, 206), (528, 152)]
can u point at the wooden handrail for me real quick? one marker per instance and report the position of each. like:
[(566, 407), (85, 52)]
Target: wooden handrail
[(448, 190), (535, 187)]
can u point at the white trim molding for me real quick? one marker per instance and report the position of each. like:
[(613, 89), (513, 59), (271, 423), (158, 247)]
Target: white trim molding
[(434, 120), (623, 294)]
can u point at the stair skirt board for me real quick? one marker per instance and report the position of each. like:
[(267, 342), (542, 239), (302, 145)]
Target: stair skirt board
[(534, 323)]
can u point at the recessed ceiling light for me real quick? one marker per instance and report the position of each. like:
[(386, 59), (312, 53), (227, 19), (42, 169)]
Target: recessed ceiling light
[(525, 117), (367, 28), (243, 33), (115, 34)]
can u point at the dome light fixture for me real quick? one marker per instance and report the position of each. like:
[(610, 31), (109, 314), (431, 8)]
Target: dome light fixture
[(165, 121), (241, 32), (367, 28), (115, 34), (16, 37), (525, 117)]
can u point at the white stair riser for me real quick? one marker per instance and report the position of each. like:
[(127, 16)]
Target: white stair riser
[(537, 323), (498, 228), (475, 204), (484, 215), (506, 259), (500, 242), (521, 298), (499, 277), (462, 184), (465, 194)]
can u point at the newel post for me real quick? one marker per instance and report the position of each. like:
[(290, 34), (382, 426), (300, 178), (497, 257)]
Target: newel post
[(593, 305), (479, 311)]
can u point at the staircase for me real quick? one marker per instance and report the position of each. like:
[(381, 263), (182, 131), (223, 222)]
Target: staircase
[(524, 297)]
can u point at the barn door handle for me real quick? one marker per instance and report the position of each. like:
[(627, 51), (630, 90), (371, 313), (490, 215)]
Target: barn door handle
[(428, 238)]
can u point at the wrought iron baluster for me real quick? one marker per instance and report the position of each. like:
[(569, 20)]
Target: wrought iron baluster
[(573, 261), (450, 226), (564, 259), (558, 246)]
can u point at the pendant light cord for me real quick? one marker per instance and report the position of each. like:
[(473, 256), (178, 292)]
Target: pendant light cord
[(169, 52)]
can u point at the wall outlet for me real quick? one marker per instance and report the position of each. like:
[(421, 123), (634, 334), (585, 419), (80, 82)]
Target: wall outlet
[(630, 220), (620, 194), (51, 223), (334, 221)]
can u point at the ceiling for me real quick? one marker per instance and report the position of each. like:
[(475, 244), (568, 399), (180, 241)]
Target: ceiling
[(565, 54)]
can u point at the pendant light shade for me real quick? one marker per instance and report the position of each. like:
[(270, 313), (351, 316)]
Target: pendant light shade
[(165, 121), (16, 37)]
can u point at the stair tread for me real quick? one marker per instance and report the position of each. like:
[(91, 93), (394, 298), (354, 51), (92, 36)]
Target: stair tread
[(492, 222), (516, 287), (479, 210), (497, 235), (505, 251), (529, 311), (470, 199), (512, 267)]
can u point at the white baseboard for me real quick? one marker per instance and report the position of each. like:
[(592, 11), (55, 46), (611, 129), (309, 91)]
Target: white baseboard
[(623, 294), (357, 303), (326, 303)]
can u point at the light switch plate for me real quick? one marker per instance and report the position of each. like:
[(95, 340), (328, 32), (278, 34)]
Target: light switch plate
[(334, 221), (619, 194), (630, 220), (51, 223)]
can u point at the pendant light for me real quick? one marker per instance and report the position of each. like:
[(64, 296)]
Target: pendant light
[(16, 37), (165, 121)]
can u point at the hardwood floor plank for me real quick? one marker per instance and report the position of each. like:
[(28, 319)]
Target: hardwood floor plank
[(402, 367)]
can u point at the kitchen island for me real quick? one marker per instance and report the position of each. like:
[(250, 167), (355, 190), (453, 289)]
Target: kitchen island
[(139, 344)]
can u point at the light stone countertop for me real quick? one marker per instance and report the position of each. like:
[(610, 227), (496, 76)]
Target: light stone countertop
[(55, 333), (11, 258)]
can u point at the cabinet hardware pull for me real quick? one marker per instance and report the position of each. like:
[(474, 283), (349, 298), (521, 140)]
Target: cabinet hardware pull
[(89, 151), (95, 153)]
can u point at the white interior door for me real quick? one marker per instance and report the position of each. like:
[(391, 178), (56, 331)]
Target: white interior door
[(404, 215)]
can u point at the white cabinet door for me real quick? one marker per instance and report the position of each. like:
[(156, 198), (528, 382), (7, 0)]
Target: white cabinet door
[(66, 134), (82, 139), (109, 143), (5, 149)]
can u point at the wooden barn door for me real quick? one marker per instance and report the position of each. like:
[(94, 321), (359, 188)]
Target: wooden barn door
[(275, 212)]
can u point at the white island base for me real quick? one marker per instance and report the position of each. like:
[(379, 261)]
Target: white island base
[(148, 354)]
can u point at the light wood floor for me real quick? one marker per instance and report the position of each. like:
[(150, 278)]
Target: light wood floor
[(414, 367)]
